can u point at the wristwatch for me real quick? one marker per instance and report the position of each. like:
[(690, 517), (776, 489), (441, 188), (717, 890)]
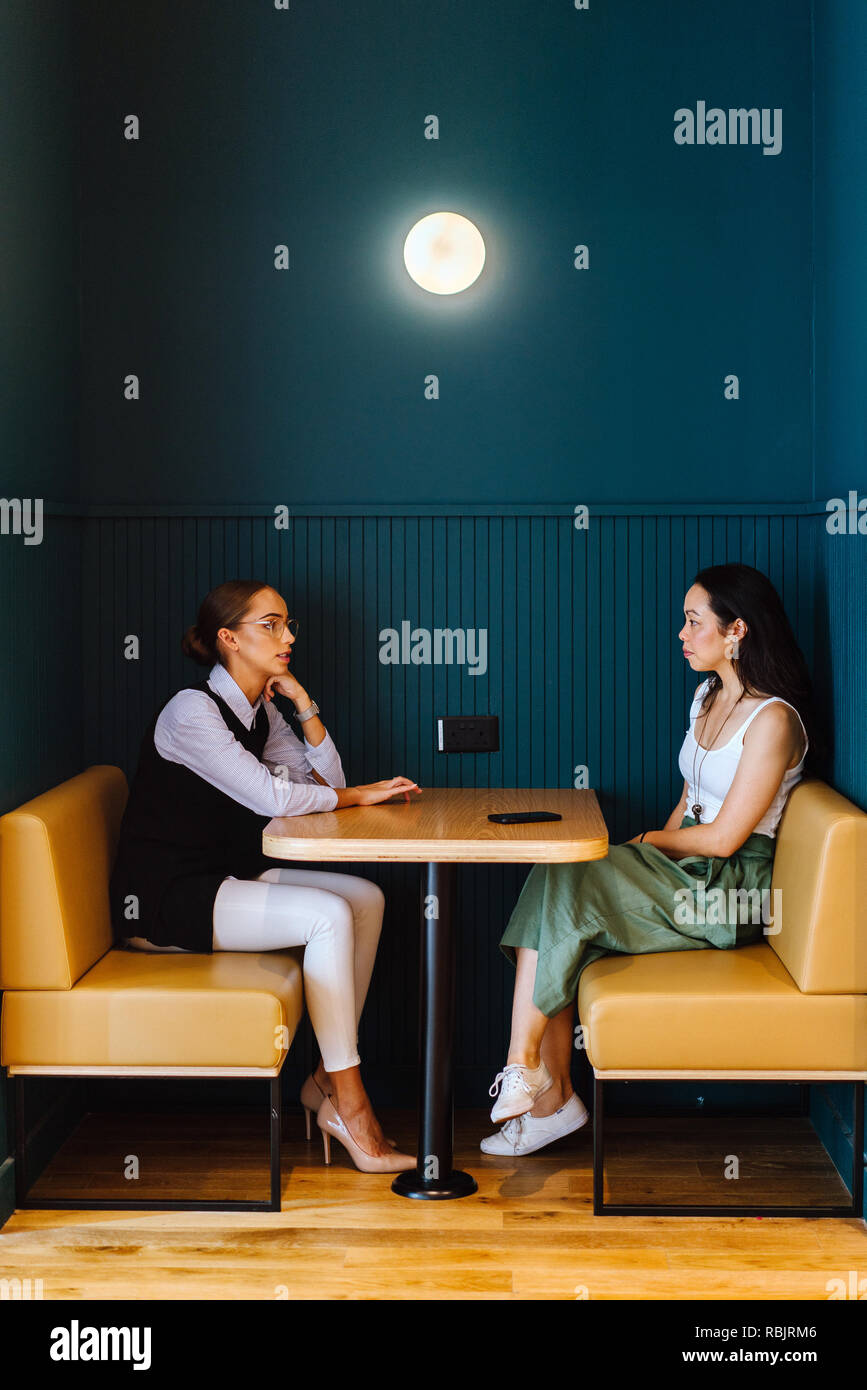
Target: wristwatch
[(311, 709)]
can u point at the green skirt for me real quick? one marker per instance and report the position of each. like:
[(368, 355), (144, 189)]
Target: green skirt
[(635, 901)]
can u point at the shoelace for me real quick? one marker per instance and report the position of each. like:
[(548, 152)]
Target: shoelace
[(514, 1070), (514, 1128)]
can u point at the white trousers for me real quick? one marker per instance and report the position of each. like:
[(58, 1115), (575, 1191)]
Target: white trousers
[(337, 918)]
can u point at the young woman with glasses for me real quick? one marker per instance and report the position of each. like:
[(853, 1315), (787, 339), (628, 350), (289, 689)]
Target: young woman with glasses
[(217, 763)]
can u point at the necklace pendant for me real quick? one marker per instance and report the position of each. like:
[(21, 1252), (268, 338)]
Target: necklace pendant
[(696, 811)]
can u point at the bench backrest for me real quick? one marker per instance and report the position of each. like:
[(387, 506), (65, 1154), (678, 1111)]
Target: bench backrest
[(820, 868), (56, 856)]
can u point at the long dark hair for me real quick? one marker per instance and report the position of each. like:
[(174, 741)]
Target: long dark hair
[(222, 607), (769, 660)]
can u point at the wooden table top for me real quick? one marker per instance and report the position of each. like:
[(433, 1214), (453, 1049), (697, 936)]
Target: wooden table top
[(448, 825)]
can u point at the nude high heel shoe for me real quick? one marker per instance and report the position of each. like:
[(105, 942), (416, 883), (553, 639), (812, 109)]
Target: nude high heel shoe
[(330, 1123), (312, 1096)]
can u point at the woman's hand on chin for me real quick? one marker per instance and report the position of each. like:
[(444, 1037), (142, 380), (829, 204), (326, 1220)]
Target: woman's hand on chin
[(285, 685)]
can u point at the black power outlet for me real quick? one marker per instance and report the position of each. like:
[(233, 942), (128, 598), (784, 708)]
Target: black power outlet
[(472, 733)]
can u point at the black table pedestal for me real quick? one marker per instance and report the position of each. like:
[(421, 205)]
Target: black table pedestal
[(433, 1177)]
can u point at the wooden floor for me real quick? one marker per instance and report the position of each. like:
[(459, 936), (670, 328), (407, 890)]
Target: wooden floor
[(529, 1232)]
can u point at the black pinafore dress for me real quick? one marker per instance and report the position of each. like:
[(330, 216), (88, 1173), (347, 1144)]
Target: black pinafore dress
[(179, 838)]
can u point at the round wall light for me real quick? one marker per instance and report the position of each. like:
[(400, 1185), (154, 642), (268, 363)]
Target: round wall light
[(444, 252)]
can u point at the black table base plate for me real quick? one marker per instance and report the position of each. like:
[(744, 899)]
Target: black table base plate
[(411, 1184)]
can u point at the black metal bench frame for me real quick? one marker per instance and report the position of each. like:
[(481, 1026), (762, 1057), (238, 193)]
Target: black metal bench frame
[(25, 1203), (603, 1208)]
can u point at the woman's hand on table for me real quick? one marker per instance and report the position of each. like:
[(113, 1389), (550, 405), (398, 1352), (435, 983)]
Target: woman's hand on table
[(371, 793)]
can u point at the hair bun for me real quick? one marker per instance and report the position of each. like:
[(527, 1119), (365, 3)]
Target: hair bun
[(193, 646), (225, 606)]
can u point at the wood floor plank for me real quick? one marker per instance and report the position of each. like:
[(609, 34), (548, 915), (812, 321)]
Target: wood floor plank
[(529, 1232)]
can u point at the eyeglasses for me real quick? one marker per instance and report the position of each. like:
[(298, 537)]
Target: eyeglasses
[(274, 626)]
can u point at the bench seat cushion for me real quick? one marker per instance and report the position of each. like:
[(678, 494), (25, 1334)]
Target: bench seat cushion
[(715, 1010), (132, 1008)]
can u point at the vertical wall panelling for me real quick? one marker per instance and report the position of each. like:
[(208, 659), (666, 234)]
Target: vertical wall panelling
[(583, 667), (840, 612), (40, 695), (837, 588)]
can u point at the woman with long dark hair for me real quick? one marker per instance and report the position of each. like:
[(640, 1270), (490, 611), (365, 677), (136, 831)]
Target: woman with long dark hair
[(217, 763), (752, 725)]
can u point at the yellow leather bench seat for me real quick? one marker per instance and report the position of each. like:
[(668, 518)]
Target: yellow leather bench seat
[(76, 1003), (133, 1009), (793, 1003), (731, 1011)]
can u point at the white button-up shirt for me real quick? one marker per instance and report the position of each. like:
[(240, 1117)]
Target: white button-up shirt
[(191, 730)]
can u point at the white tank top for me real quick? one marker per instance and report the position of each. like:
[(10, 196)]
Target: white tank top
[(715, 768)]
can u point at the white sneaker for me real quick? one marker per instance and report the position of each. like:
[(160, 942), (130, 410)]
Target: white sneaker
[(525, 1133), (522, 1087)]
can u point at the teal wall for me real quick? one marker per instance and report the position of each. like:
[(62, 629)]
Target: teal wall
[(840, 434), (305, 127), (306, 387), (40, 661)]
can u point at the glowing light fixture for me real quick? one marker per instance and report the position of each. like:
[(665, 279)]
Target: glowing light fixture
[(444, 252)]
